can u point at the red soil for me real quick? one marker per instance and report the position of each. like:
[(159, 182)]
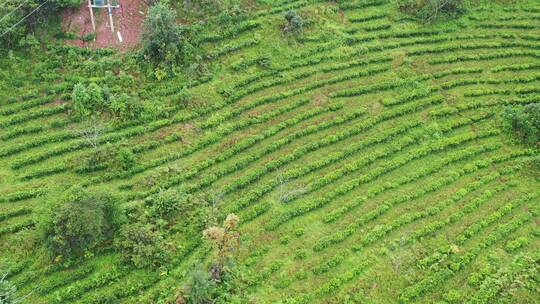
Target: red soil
[(128, 21)]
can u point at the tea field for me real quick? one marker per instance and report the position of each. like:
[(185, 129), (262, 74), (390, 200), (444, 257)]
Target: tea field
[(365, 158)]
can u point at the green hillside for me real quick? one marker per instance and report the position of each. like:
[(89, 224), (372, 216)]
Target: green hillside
[(365, 158)]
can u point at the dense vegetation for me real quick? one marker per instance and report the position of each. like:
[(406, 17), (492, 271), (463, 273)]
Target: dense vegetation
[(288, 151)]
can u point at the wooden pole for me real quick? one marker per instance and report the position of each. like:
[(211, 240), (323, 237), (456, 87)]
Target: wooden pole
[(110, 15), (92, 15)]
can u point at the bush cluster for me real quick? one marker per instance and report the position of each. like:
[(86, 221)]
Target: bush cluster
[(91, 99)]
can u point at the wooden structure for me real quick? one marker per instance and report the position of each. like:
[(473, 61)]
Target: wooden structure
[(109, 4)]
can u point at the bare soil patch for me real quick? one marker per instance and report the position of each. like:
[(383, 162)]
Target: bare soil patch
[(128, 20)]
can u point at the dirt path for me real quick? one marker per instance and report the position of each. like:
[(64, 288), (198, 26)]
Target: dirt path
[(128, 21)]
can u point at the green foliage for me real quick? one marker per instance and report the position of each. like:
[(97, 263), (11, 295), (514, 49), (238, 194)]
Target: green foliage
[(166, 203), (453, 297), (432, 10), (88, 99), (125, 107), (203, 288), (515, 244), (142, 245), (67, 3), (88, 37), (524, 122), (79, 223)]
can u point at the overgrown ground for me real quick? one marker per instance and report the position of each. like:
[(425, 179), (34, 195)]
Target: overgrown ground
[(365, 158)]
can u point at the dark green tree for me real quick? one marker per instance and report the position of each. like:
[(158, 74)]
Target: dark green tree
[(79, 224), (295, 23)]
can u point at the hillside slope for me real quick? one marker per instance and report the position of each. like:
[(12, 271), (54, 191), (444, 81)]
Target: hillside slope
[(365, 159)]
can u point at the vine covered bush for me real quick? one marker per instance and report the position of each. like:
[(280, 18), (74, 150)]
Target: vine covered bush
[(142, 245), (432, 10)]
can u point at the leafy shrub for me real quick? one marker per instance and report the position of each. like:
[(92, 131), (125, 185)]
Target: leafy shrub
[(453, 296), (142, 245), (300, 254), (125, 107), (79, 223), (524, 122), (513, 245), (126, 158), (96, 159), (87, 99), (165, 203), (88, 37), (432, 10)]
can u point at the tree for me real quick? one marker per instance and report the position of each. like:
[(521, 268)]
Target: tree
[(226, 242), (163, 41), (91, 131), (295, 23), (79, 223)]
